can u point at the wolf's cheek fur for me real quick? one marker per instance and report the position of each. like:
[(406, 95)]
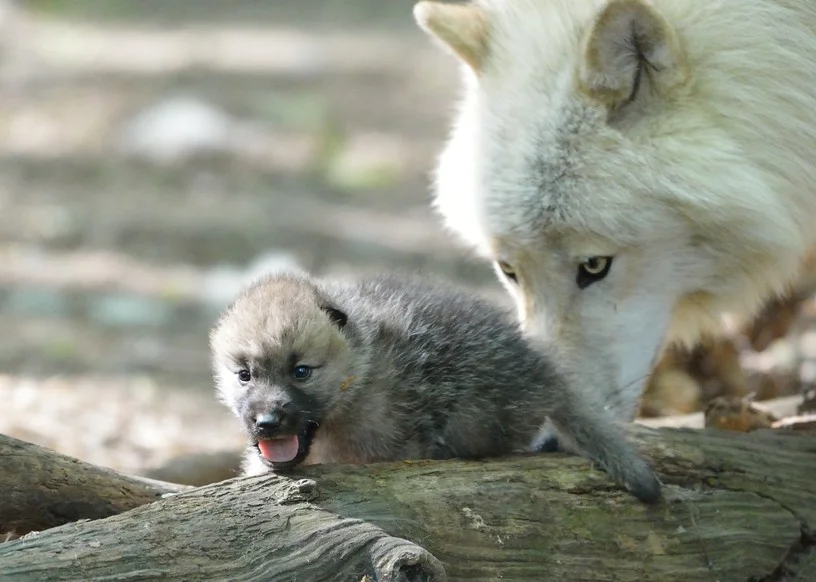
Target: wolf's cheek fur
[(330, 385), (610, 332), (228, 388), (639, 327), (333, 384)]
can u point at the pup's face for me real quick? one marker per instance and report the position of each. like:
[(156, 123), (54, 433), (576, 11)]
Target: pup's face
[(580, 166), (282, 364)]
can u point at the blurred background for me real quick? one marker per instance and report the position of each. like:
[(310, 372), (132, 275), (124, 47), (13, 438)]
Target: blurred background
[(156, 155)]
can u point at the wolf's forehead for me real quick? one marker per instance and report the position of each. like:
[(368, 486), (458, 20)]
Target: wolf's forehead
[(298, 336), (265, 353), (531, 118), (535, 29), (533, 184)]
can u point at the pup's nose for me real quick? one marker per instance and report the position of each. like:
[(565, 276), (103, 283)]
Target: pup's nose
[(269, 421)]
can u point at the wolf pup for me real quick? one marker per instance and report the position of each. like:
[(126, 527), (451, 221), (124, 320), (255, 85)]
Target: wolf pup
[(393, 368), (633, 168)]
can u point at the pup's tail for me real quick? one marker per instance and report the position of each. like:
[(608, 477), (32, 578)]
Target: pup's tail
[(589, 429)]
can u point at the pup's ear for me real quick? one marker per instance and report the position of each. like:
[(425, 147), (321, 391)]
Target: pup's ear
[(337, 317), (630, 44), (462, 28)]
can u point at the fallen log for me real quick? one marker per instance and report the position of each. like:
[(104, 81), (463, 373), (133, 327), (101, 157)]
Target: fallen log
[(738, 507), (41, 489), (199, 468)]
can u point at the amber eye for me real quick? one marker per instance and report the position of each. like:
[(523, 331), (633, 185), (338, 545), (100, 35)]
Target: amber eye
[(244, 376), (508, 271), (593, 270)]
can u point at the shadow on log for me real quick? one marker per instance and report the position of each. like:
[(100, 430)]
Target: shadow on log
[(41, 489), (738, 507)]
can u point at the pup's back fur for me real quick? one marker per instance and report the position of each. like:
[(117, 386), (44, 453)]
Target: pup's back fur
[(675, 136), (403, 368)]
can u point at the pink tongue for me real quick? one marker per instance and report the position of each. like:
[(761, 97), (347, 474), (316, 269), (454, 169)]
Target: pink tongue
[(280, 450)]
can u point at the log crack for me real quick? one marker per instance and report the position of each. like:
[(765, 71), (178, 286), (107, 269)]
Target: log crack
[(803, 547)]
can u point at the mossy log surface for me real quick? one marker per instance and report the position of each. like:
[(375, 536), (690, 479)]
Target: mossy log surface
[(737, 507)]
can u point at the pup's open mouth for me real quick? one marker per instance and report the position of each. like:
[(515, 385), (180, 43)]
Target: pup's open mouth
[(280, 449), (285, 451)]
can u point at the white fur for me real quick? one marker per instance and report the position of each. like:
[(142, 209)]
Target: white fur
[(707, 200)]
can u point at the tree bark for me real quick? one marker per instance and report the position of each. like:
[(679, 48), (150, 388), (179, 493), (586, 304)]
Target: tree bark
[(737, 507), (41, 489)]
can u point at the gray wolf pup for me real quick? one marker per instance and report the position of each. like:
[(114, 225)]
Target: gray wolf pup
[(393, 368)]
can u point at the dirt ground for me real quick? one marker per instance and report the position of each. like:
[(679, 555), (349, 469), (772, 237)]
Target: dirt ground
[(155, 155)]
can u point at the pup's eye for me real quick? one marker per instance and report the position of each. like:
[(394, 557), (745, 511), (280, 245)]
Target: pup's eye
[(508, 271), (244, 376), (301, 372), (593, 270)]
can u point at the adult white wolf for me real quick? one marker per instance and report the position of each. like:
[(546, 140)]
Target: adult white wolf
[(633, 168)]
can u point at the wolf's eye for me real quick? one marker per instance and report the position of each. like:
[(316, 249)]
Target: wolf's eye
[(593, 270), (301, 372), (508, 271), (244, 376)]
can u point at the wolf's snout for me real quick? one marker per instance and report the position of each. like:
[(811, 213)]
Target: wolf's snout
[(270, 422)]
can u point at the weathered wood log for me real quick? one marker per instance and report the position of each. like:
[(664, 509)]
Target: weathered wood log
[(200, 468), (738, 507), (41, 489)]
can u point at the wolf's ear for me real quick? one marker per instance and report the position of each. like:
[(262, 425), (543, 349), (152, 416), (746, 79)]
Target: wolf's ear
[(462, 28), (337, 317), (629, 45)]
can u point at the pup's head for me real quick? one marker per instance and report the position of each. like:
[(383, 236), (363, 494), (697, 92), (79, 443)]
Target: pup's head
[(282, 363), (612, 204)]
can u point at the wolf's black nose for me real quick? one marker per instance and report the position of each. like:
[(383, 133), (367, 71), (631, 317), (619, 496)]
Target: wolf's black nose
[(269, 421)]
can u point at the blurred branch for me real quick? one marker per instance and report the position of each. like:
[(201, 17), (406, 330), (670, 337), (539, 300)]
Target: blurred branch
[(783, 407), (41, 489)]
